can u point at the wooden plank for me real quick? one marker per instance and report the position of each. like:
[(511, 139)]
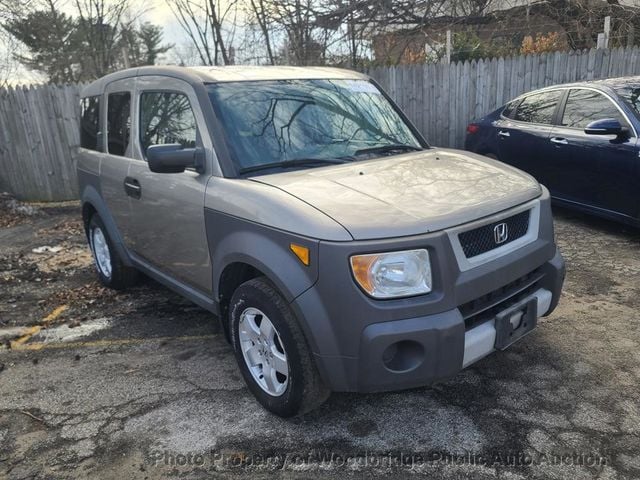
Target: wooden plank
[(465, 92), (500, 83), (440, 92), (421, 99), (454, 99), (460, 114), (454, 120), (10, 178), (14, 142)]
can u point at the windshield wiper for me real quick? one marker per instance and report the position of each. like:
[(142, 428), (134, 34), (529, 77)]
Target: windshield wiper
[(392, 147), (298, 162)]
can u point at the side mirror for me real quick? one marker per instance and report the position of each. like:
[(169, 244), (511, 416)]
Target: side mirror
[(606, 126), (171, 158)]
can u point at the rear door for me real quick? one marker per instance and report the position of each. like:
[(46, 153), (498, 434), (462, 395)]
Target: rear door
[(116, 145), (595, 170), (523, 138)]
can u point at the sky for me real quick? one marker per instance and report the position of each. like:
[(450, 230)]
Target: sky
[(155, 11), (158, 12)]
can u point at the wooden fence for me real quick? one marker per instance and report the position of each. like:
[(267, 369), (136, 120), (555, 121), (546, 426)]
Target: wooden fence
[(38, 140), (442, 99), (39, 133)]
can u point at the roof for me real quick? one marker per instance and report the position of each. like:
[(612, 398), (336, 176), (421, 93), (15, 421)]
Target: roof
[(617, 82), (233, 73), (248, 73), (611, 83)]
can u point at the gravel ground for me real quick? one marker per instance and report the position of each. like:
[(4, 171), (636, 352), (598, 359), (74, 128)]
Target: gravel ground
[(97, 384)]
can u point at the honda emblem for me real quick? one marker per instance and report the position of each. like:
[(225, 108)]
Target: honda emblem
[(500, 233)]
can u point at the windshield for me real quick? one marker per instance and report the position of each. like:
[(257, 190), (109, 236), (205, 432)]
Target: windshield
[(631, 94), (270, 122)]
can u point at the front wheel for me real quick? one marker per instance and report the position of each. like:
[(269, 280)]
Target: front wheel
[(271, 351)]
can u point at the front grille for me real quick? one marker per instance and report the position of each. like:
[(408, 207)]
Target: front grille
[(488, 306), (483, 239)]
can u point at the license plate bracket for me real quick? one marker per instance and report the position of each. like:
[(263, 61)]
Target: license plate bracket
[(515, 322)]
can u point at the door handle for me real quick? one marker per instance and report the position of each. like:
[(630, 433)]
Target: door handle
[(132, 187), (502, 133), (559, 140)]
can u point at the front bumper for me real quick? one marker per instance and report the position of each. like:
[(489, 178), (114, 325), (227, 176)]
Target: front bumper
[(422, 350), (362, 344)]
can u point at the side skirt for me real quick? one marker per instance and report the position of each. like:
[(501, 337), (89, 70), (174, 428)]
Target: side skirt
[(597, 211), (181, 288)]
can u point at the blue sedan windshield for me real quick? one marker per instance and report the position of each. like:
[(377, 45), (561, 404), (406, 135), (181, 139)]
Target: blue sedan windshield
[(268, 122)]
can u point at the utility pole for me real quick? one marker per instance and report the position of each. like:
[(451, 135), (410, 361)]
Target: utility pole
[(125, 57), (607, 30), (448, 48), (603, 37)]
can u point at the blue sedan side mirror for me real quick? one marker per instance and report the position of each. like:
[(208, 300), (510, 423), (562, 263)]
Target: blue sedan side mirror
[(605, 126)]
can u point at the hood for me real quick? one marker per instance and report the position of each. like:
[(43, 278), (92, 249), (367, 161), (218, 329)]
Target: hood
[(409, 194)]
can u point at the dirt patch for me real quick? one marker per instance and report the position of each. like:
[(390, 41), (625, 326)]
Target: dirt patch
[(65, 257), (14, 212), (69, 227)]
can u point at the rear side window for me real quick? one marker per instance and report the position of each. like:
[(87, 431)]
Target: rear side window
[(509, 108), (166, 117), (538, 108), (90, 122), (585, 106), (118, 122)]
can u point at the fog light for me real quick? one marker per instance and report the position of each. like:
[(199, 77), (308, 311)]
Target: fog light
[(403, 356)]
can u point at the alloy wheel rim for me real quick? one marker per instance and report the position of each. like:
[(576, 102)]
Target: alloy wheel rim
[(101, 253), (263, 351)]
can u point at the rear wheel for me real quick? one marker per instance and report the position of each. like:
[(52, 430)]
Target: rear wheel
[(272, 352), (112, 272)]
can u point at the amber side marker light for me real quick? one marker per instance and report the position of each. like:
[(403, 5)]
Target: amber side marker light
[(361, 266), (301, 252)]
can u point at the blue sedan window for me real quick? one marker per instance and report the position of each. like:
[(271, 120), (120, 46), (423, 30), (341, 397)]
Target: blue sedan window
[(585, 106), (539, 107), (509, 108)]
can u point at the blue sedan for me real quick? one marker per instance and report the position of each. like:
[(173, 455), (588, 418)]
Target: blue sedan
[(580, 140)]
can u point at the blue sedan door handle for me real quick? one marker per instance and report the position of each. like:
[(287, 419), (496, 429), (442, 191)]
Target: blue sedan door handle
[(559, 140), (502, 133)]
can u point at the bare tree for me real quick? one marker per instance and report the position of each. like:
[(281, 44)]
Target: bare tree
[(209, 26), (101, 24), (305, 42), (102, 37), (264, 17)]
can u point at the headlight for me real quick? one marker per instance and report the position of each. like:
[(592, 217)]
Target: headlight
[(394, 274)]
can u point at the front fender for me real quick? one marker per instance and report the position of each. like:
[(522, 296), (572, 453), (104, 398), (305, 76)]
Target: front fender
[(236, 240)]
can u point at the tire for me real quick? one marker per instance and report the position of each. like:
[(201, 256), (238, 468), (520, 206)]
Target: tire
[(111, 271), (259, 351)]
